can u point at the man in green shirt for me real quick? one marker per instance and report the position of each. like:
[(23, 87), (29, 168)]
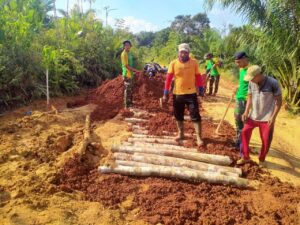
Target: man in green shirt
[(214, 75), (241, 60), (128, 73)]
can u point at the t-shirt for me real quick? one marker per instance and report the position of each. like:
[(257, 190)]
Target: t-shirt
[(184, 76), (242, 91), (126, 59), (210, 67), (263, 98)]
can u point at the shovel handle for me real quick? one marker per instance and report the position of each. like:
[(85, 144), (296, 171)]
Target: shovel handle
[(220, 123)]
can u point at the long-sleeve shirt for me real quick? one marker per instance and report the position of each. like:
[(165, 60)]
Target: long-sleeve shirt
[(186, 76)]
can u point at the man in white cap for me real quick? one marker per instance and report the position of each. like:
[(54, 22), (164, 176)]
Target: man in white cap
[(264, 101), (187, 81)]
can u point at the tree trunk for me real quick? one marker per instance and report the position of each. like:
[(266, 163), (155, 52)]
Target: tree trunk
[(178, 173), (176, 162), (195, 156), (154, 140), (160, 146), (86, 136)]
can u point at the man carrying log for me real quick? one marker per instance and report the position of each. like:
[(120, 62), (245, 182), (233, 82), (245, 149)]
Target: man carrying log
[(187, 80), (264, 100), (128, 73)]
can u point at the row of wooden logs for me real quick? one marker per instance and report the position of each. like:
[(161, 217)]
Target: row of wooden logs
[(149, 155)]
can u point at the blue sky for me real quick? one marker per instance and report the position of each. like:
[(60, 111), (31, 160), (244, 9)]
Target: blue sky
[(154, 15)]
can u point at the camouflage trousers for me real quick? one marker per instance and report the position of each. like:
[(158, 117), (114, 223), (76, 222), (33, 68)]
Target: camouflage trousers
[(128, 92), (240, 106)]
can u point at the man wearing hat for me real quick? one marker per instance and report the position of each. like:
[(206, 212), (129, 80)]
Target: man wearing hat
[(263, 105), (187, 81), (241, 60), (128, 73)]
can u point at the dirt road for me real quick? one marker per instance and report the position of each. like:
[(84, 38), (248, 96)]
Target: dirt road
[(43, 182), (284, 157)]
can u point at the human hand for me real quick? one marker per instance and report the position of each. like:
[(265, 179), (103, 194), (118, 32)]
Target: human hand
[(165, 98), (244, 117), (271, 121)]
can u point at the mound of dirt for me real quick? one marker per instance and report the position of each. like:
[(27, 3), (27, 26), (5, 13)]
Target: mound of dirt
[(109, 97)]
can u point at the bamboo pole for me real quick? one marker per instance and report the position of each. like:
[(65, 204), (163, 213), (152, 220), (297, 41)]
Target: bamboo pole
[(177, 162), (175, 172), (195, 156)]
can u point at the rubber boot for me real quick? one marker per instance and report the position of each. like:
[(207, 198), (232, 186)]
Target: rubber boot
[(180, 135), (197, 126)]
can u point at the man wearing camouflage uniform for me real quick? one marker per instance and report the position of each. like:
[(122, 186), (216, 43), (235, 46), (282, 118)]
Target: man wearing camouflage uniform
[(128, 73)]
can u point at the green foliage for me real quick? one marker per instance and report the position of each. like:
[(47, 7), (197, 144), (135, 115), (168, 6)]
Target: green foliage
[(77, 50), (274, 41)]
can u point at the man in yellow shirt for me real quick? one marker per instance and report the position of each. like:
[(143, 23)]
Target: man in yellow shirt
[(187, 81), (128, 73)]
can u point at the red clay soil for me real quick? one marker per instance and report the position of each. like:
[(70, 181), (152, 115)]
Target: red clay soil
[(109, 96), (169, 201)]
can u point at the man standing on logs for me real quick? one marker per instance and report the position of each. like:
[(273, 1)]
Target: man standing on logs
[(187, 80), (128, 73)]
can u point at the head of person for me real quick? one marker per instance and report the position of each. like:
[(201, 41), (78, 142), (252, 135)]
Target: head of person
[(208, 56), (127, 45), (183, 52), (241, 59), (254, 74)]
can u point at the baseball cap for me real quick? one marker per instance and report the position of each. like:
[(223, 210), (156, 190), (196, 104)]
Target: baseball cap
[(240, 55), (252, 72), (184, 47)]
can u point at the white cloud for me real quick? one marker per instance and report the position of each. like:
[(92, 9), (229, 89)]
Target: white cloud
[(135, 25)]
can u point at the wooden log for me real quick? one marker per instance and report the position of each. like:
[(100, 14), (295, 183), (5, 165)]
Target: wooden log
[(155, 140), (135, 120), (160, 146), (141, 164), (195, 156), (86, 136), (177, 162), (138, 127), (138, 131), (175, 172), (151, 136), (174, 134)]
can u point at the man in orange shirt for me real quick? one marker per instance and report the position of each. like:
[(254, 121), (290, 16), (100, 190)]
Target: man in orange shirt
[(187, 80)]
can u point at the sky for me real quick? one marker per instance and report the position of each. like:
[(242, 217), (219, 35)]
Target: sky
[(154, 15)]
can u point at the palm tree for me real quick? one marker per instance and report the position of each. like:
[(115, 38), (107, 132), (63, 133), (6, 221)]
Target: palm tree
[(277, 32)]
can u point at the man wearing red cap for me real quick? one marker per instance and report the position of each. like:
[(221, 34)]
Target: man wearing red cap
[(187, 81)]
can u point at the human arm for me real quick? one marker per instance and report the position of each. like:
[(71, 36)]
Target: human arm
[(248, 107), (278, 103)]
